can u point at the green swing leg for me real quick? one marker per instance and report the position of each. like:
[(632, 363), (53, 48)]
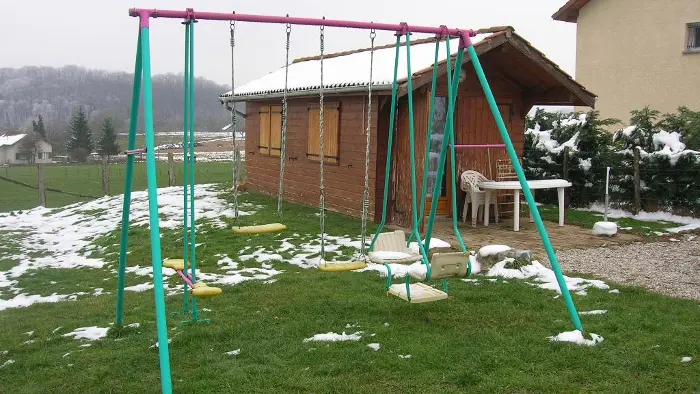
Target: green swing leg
[(573, 314)]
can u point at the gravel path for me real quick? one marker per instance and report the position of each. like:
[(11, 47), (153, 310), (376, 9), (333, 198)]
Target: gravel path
[(671, 267)]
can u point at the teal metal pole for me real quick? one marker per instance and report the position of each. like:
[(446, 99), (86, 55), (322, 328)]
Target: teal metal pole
[(411, 144), (185, 150), (161, 319), (573, 314), (452, 88), (428, 138), (193, 159), (394, 93), (133, 125)]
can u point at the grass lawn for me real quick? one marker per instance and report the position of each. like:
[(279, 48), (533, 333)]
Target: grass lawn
[(489, 336), (87, 180)]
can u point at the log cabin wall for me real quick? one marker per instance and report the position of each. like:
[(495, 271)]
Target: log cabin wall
[(344, 180), (474, 124)]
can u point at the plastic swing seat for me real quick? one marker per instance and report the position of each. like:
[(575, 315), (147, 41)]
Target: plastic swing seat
[(200, 289), (342, 266), (259, 229), (442, 266)]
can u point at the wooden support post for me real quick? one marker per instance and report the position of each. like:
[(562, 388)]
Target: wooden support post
[(637, 182), (42, 185), (105, 175), (171, 169)]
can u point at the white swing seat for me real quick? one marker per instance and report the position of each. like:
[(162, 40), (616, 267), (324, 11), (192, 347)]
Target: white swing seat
[(391, 248), (420, 293)]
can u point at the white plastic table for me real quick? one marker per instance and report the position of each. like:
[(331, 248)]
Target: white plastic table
[(488, 186)]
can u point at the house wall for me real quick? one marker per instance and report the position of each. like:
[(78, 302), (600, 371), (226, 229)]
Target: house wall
[(630, 53), (344, 182), (474, 124), (8, 153)]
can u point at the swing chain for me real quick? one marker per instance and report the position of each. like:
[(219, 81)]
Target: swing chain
[(322, 200), (365, 195), (283, 142), (236, 147)]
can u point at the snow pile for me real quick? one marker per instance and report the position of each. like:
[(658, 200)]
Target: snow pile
[(333, 337), (374, 346), (491, 250), (90, 333), (544, 277), (689, 223), (434, 243), (576, 337), (605, 228), (233, 353), (686, 359)]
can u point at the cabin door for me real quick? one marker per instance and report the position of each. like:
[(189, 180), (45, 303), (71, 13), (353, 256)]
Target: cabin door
[(438, 133)]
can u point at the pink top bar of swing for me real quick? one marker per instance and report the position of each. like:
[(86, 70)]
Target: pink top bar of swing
[(480, 146), (402, 28)]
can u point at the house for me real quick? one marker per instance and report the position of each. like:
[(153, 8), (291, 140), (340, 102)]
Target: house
[(519, 74), (635, 53), (14, 149)]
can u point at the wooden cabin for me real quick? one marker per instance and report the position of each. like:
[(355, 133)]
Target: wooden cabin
[(520, 77)]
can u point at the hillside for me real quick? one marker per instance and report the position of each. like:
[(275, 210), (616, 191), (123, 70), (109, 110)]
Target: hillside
[(56, 93)]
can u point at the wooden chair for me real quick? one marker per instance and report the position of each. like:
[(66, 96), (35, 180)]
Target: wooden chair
[(506, 172), (469, 181)]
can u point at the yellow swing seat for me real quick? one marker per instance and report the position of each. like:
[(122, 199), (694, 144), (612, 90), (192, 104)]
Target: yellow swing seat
[(342, 266), (176, 264), (201, 290), (259, 229)]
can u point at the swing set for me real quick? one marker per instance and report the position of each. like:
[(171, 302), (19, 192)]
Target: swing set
[(437, 266)]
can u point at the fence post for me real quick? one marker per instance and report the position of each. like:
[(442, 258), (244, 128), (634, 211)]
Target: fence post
[(637, 182), (42, 185), (171, 169), (105, 175), (565, 173)]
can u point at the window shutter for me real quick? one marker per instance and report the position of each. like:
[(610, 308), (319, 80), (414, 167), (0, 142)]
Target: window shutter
[(313, 149), (275, 130), (264, 145), (331, 127)]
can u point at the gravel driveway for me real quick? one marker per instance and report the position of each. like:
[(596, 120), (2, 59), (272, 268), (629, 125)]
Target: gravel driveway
[(670, 267)]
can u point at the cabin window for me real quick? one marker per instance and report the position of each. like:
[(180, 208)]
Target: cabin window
[(331, 128), (693, 37), (21, 156), (270, 130)]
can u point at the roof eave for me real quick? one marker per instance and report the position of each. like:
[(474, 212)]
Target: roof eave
[(569, 11), (302, 93)]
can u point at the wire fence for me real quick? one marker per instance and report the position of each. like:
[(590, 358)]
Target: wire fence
[(65, 184)]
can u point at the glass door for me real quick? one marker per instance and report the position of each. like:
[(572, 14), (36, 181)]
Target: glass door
[(438, 133)]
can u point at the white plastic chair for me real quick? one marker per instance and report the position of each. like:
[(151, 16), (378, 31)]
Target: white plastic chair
[(475, 196)]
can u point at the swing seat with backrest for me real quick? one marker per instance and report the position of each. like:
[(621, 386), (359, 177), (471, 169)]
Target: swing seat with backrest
[(441, 266)]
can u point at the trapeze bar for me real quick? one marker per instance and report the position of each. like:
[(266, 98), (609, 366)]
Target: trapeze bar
[(402, 28), (483, 146)]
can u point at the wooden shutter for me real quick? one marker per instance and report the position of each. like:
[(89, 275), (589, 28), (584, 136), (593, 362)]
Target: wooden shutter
[(264, 144), (331, 128), (275, 130)]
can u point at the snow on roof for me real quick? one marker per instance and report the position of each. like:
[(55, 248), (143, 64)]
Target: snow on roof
[(350, 70), (9, 140)]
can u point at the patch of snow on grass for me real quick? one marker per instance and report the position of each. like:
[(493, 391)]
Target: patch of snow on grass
[(233, 353), (545, 276), (374, 346), (134, 325), (90, 333), (23, 300), (576, 337), (140, 287), (6, 363), (689, 223), (333, 337), (434, 243), (686, 359), (404, 356), (594, 312)]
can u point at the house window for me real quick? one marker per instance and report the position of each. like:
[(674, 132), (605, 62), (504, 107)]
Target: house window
[(20, 156), (693, 41), (270, 130), (439, 119), (331, 128)]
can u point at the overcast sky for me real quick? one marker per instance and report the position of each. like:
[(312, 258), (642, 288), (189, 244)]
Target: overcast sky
[(100, 34)]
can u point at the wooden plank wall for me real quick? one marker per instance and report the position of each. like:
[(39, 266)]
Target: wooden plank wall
[(344, 182), (474, 124)]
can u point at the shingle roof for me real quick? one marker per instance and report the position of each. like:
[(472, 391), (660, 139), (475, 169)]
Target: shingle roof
[(349, 69)]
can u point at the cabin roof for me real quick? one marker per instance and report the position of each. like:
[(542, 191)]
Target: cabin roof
[(346, 72)]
